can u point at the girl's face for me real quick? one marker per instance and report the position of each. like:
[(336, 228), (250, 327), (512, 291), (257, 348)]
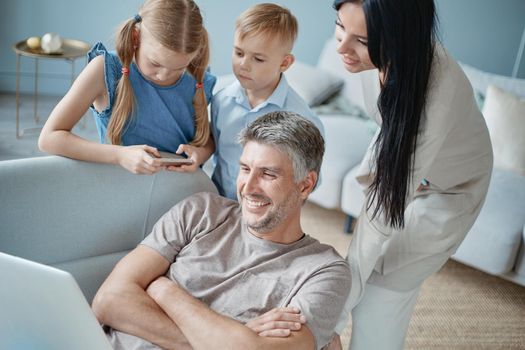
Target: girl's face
[(351, 33), (158, 64)]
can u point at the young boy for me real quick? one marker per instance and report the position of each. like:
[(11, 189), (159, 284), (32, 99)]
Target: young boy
[(264, 37)]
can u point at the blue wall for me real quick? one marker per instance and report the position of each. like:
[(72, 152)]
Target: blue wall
[(483, 33)]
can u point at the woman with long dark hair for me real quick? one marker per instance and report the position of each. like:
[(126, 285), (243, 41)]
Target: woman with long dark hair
[(427, 171)]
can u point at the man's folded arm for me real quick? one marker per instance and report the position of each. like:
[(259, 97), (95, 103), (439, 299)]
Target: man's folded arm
[(206, 329), (123, 304)]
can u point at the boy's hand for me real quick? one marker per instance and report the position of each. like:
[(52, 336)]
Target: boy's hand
[(278, 322), (139, 159), (198, 154)]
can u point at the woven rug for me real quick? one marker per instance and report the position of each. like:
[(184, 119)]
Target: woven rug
[(458, 308)]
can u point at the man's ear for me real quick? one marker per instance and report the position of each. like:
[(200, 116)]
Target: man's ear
[(307, 185), (288, 60)]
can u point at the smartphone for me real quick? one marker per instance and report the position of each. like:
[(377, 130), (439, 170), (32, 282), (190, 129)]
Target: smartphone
[(175, 161)]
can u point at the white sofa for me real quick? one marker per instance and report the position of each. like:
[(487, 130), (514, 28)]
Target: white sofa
[(495, 244)]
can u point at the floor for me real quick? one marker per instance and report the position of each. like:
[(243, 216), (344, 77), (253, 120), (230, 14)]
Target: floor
[(26, 146)]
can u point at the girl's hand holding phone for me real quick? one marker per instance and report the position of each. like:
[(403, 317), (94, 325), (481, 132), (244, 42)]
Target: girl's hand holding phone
[(195, 155), (140, 159)]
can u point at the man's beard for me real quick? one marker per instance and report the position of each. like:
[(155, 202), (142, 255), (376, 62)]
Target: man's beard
[(275, 216)]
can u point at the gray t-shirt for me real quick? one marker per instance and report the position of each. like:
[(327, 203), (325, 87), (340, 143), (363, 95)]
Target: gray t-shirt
[(217, 260)]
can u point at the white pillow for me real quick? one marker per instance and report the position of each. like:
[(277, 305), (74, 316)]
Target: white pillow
[(505, 116), (480, 81), (223, 81), (314, 85)]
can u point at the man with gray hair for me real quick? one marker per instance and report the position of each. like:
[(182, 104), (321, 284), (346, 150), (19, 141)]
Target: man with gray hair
[(220, 274)]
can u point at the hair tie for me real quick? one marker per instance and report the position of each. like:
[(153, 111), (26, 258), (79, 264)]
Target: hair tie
[(125, 71), (199, 85), (137, 18)]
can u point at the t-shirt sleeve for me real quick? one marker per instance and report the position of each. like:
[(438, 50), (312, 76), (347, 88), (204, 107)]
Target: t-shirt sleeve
[(180, 225), (112, 68), (170, 234), (322, 298)]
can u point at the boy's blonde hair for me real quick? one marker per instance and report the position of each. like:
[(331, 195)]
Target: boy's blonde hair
[(177, 25), (270, 20)]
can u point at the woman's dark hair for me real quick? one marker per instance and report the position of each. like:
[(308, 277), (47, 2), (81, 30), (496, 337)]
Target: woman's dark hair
[(401, 40)]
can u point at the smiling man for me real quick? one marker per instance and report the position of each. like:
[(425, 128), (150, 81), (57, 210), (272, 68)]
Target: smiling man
[(221, 274)]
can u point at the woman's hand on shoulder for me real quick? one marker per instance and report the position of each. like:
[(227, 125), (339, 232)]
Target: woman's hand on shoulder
[(139, 159)]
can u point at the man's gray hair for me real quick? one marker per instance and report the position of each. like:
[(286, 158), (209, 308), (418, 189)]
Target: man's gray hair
[(293, 135)]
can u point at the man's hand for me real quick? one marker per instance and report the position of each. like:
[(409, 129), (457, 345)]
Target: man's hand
[(159, 287), (278, 322), (207, 329)]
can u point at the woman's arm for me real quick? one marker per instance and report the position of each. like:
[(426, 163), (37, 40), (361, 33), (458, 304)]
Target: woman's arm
[(56, 136)]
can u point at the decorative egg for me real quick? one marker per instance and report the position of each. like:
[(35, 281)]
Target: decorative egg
[(33, 42), (51, 43)]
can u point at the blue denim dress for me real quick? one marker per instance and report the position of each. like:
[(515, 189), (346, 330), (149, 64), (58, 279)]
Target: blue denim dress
[(163, 116)]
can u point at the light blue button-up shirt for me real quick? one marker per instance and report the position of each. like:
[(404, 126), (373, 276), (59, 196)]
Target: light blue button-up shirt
[(231, 112)]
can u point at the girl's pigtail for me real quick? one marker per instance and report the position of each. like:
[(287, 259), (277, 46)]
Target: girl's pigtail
[(124, 99), (197, 68)]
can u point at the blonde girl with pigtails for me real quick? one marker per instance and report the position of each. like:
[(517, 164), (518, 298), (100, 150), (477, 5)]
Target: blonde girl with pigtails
[(149, 96)]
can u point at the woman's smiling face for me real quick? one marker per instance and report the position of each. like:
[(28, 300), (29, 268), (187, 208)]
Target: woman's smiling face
[(352, 37)]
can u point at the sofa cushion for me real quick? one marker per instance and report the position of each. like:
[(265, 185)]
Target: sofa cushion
[(313, 84), (94, 209), (347, 139), (91, 272), (352, 195), (505, 117), (493, 242), (69, 213), (481, 80)]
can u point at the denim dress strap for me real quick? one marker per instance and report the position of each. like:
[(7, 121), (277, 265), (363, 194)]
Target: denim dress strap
[(112, 74)]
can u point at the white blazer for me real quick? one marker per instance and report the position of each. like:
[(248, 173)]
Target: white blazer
[(454, 154)]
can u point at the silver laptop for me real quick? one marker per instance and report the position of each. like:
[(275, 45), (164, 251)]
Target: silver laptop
[(43, 308)]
